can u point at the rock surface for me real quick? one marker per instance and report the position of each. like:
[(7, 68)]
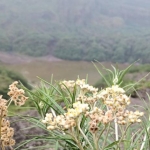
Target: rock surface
[(24, 130)]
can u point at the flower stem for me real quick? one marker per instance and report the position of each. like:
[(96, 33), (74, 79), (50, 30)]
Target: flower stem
[(78, 143), (122, 136), (144, 140), (116, 129), (101, 132), (106, 137), (84, 136), (9, 103), (73, 135), (95, 139)]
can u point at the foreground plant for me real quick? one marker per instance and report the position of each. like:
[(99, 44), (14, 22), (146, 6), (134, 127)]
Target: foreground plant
[(6, 132), (92, 114), (78, 116)]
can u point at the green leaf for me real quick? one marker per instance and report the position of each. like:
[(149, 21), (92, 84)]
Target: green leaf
[(111, 145)]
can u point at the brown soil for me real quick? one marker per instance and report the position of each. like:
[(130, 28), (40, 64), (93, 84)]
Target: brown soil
[(14, 58), (23, 132)]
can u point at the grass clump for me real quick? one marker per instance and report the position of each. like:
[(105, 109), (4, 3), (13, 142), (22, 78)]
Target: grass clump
[(7, 77), (140, 68)]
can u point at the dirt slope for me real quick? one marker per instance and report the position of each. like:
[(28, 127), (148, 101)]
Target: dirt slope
[(14, 58)]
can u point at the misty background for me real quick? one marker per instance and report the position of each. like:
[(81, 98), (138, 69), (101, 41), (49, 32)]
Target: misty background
[(116, 30)]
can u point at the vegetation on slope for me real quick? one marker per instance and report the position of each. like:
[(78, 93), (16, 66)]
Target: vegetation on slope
[(7, 77), (77, 30)]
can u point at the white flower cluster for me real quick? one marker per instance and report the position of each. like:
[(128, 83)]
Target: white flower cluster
[(86, 100), (71, 84), (67, 84), (6, 132), (16, 94), (77, 109), (116, 100), (129, 116), (80, 83), (83, 88), (68, 119), (114, 97), (59, 122), (87, 88), (98, 116), (89, 99)]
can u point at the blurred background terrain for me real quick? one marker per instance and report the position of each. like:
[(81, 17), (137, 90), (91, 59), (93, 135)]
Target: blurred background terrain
[(62, 37)]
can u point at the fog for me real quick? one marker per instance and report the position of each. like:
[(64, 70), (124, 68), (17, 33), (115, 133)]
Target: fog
[(116, 30), (65, 15)]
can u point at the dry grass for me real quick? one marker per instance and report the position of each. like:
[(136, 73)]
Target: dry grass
[(60, 70)]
